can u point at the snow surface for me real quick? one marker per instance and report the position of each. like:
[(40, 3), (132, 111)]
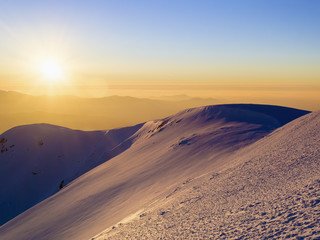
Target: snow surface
[(160, 155), (36, 160)]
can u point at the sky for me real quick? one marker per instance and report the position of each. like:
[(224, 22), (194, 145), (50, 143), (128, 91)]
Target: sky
[(214, 48)]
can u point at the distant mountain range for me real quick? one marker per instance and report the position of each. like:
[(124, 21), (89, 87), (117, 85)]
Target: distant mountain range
[(89, 113)]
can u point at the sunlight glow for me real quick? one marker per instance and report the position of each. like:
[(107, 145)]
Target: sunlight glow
[(51, 70)]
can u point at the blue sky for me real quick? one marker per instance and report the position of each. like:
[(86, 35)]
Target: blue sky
[(199, 28)]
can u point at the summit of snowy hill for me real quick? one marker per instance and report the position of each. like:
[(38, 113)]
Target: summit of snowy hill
[(149, 161), (269, 115)]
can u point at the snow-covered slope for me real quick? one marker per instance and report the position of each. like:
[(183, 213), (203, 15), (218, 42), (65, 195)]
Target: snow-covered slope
[(163, 153), (37, 160), (268, 190)]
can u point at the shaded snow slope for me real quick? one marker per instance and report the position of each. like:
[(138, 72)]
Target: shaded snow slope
[(163, 153), (268, 190), (37, 160)]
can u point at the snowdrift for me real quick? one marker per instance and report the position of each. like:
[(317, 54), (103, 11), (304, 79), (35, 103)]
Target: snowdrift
[(268, 190)]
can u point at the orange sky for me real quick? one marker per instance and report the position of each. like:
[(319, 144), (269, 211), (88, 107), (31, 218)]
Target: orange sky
[(266, 52)]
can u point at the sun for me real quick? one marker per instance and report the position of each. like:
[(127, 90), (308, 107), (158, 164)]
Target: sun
[(51, 70)]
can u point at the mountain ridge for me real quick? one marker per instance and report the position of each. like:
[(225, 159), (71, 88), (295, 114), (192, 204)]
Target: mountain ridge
[(162, 153)]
